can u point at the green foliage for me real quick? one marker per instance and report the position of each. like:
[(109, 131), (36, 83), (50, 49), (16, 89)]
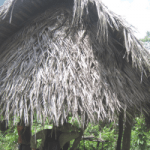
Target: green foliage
[(37, 126), (147, 37), (140, 137), (8, 140), (106, 134), (90, 131)]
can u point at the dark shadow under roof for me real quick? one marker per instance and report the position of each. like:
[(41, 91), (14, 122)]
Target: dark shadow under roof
[(13, 15)]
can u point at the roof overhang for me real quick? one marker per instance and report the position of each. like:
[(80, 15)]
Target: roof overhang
[(15, 13)]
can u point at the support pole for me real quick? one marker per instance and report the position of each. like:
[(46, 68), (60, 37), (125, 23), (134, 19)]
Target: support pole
[(120, 131), (127, 134)]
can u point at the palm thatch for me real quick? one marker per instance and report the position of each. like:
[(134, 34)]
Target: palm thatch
[(69, 57)]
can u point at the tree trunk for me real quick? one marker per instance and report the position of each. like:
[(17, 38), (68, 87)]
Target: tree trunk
[(127, 135), (120, 131)]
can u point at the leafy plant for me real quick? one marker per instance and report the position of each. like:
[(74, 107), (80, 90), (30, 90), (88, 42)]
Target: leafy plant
[(147, 37), (9, 139), (106, 135), (139, 135), (140, 139), (110, 136)]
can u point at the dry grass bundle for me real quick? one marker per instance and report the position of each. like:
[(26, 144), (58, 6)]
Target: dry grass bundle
[(79, 59)]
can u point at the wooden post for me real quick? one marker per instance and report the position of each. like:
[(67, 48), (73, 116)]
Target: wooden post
[(3, 125), (120, 131), (127, 134)]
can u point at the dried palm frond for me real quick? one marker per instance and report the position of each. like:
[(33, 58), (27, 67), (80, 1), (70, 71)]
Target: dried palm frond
[(79, 59)]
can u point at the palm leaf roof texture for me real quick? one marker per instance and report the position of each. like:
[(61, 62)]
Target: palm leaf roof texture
[(69, 57)]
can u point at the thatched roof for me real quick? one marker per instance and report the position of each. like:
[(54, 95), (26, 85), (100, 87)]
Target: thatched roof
[(69, 57)]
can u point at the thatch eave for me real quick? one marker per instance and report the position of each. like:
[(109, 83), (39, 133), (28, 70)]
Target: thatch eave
[(79, 59), (15, 13)]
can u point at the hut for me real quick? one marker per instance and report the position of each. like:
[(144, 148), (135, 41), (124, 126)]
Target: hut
[(61, 58)]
